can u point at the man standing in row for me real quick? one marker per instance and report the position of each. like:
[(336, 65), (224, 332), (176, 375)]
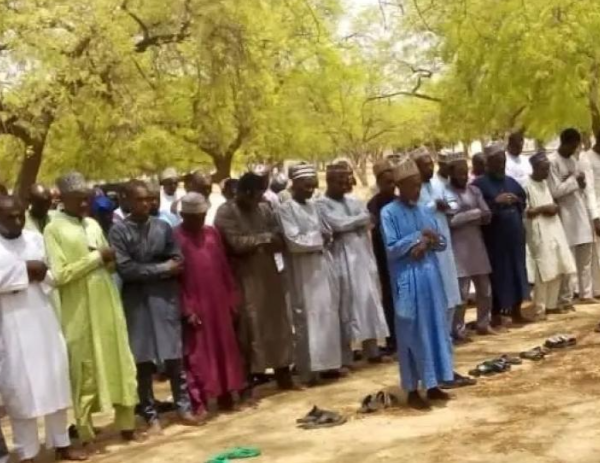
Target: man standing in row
[(546, 239), (362, 315), (101, 365), (384, 175), (34, 381), (253, 236), (441, 202), (517, 166), (412, 239), (149, 263), (575, 198), (472, 263), (210, 300), (314, 304), (504, 237)]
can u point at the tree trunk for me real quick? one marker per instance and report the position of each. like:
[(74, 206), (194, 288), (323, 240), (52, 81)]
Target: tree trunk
[(30, 167), (223, 165)]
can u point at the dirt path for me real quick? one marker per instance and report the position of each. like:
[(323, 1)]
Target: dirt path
[(539, 412)]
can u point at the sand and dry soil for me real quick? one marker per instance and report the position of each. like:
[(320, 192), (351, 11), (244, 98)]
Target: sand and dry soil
[(539, 412)]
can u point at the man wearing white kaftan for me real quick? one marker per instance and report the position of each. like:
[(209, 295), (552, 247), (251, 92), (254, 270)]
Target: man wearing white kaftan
[(590, 164), (546, 239), (313, 299), (361, 312), (571, 189), (34, 381)]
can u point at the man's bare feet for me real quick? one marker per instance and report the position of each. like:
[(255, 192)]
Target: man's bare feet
[(70, 454)]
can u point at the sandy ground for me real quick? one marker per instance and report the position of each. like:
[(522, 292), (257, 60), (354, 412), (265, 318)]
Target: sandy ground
[(539, 412)]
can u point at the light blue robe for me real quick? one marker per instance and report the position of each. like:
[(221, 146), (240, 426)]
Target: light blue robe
[(424, 348), (430, 192)]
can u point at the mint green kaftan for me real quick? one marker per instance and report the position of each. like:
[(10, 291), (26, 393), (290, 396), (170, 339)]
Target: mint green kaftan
[(102, 368)]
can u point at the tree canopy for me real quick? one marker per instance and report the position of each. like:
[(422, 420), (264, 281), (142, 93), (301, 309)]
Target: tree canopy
[(116, 88)]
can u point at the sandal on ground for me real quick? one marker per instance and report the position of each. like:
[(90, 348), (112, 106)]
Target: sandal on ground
[(535, 354), (483, 369), (511, 360), (326, 420), (561, 341), (458, 382), (310, 416)]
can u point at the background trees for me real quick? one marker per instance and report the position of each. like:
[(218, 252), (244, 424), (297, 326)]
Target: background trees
[(120, 87)]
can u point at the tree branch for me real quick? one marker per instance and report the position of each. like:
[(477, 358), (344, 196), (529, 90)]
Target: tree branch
[(148, 39), (413, 94)]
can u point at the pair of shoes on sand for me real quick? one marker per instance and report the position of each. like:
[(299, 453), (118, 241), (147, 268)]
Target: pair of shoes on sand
[(378, 401)]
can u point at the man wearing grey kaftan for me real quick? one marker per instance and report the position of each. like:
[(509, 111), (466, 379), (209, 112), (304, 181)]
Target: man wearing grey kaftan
[(252, 237), (148, 262), (361, 312), (313, 299)]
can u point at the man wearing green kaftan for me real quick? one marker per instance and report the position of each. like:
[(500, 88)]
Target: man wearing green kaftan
[(101, 364)]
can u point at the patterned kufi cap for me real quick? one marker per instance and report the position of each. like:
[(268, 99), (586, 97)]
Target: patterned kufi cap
[(302, 170), (194, 203), (455, 157), (406, 167), (73, 182), (538, 157), (382, 166)]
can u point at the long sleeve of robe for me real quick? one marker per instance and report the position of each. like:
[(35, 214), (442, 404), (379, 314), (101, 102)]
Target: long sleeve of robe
[(431, 192), (424, 350), (150, 293), (35, 370), (360, 304), (211, 354), (314, 303), (265, 331), (100, 361)]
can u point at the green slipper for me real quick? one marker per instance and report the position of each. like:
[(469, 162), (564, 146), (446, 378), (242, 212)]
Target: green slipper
[(235, 453)]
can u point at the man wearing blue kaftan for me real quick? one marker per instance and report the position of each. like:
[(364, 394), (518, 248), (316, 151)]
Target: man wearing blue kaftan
[(424, 349)]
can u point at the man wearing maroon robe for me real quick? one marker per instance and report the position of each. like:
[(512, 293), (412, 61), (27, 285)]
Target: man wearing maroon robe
[(209, 299)]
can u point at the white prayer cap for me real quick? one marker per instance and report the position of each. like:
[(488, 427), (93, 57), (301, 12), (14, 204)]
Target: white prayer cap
[(455, 157), (73, 182), (404, 168), (168, 174), (302, 170), (194, 203)]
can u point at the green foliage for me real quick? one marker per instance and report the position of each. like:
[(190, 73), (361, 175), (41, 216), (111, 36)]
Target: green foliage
[(116, 88)]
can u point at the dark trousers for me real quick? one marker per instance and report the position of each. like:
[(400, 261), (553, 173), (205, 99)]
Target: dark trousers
[(173, 369)]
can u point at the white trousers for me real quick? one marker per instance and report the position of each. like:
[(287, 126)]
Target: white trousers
[(583, 261), (26, 439), (545, 295)]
